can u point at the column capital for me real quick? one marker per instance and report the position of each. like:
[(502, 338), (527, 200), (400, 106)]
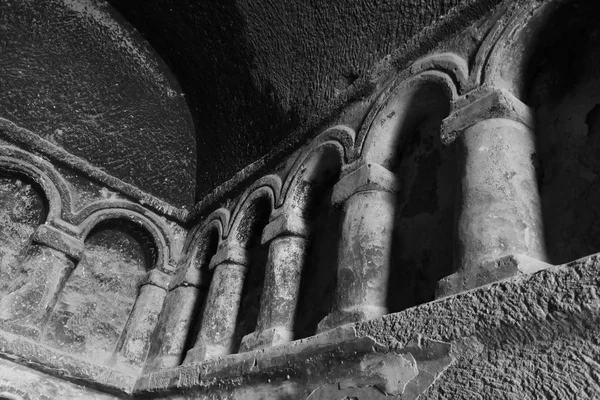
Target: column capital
[(58, 240), (156, 278), (368, 176), (230, 252), (482, 104), (286, 222), (191, 275)]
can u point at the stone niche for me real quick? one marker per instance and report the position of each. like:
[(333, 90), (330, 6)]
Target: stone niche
[(22, 208), (98, 297), (564, 89)]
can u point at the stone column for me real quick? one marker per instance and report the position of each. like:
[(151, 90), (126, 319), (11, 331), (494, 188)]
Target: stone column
[(217, 332), (134, 341), (368, 197), (286, 235), (186, 290), (499, 229), (51, 257)]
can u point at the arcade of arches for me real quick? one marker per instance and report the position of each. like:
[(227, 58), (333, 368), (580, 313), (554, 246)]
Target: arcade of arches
[(436, 236)]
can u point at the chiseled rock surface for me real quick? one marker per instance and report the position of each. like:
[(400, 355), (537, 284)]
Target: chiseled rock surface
[(74, 73), (528, 337)]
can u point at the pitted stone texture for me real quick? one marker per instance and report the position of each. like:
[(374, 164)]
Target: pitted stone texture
[(78, 76), (21, 211), (252, 84), (533, 337)]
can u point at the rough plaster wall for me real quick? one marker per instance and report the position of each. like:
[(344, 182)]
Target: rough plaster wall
[(255, 70), (98, 297), (22, 209), (72, 73), (566, 94)]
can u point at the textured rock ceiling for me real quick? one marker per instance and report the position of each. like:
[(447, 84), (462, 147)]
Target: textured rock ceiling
[(255, 70)]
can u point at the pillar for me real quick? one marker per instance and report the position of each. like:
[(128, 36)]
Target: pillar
[(50, 258), (368, 197), (287, 238), (499, 228), (217, 332), (187, 289), (134, 341)]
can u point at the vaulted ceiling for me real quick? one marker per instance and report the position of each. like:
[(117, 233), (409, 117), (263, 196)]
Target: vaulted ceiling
[(239, 76)]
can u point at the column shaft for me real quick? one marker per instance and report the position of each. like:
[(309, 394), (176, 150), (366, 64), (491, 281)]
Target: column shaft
[(175, 325), (500, 210), (364, 258), (286, 260), (217, 333), (135, 340)]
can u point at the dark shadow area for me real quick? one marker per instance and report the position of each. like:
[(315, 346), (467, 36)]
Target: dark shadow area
[(564, 90), (423, 237), (237, 118), (255, 218), (319, 277)]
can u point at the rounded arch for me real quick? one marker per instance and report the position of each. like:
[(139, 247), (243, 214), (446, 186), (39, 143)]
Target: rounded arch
[(217, 220), (253, 209), (518, 36), (399, 110), (53, 188), (316, 167), (162, 257)]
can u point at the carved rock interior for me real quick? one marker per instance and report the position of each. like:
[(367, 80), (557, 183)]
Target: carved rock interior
[(433, 238)]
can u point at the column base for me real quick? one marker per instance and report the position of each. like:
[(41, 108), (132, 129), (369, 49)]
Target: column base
[(162, 363), (202, 352), (347, 316), (267, 338), (488, 272)]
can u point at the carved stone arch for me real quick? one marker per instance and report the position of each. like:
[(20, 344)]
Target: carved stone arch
[(548, 58), (402, 107), (161, 260), (217, 220), (452, 64), (55, 189), (317, 168), (505, 58), (256, 204)]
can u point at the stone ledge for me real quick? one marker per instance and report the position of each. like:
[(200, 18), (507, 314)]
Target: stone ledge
[(65, 366), (414, 352)]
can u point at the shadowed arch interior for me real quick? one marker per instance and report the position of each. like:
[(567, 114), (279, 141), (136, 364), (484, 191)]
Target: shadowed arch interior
[(563, 87)]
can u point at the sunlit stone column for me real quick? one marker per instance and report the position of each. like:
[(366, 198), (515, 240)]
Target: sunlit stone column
[(50, 258), (368, 197), (187, 290), (135, 340), (287, 236), (499, 229), (217, 332)]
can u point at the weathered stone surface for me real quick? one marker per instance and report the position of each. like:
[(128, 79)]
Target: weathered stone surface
[(252, 84), (21, 383), (528, 337), (279, 300), (78, 76), (364, 258), (22, 209), (94, 307), (217, 336)]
